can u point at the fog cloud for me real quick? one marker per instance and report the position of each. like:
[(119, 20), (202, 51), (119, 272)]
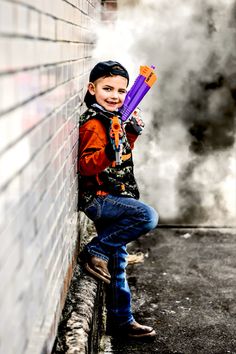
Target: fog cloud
[(185, 161)]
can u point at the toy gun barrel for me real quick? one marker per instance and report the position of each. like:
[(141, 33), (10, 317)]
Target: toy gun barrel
[(116, 135), (141, 86)]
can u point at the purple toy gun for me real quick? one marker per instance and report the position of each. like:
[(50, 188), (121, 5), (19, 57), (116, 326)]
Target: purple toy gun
[(141, 86)]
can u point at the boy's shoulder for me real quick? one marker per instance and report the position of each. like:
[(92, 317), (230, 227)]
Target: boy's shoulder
[(93, 124), (94, 118), (86, 116)]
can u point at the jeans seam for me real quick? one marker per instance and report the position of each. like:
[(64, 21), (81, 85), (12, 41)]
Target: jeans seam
[(115, 285), (98, 205), (121, 204), (124, 229)]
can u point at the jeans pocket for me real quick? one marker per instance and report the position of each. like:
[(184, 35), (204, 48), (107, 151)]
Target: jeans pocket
[(93, 210)]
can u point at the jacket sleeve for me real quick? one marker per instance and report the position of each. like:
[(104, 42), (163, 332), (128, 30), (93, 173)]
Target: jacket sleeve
[(92, 143), (132, 137), (133, 129)]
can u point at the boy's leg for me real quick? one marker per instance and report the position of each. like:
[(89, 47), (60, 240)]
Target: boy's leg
[(119, 220), (120, 320), (118, 297)]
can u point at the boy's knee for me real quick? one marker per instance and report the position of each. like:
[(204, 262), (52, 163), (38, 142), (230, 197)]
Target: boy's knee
[(151, 219)]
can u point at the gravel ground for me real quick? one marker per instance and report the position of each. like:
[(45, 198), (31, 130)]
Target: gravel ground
[(186, 289)]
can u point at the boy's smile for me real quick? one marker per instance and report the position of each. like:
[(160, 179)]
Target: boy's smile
[(109, 91)]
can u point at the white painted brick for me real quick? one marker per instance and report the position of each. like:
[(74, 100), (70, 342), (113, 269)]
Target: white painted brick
[(52, 71), (12, 194), (21, 18), (3, 134), (22, 45), (33, 23), (13, 160), (24, 118), (12, 233), (59, 9), (10, 128), (10, 261), (36, 52), (44, 65), (47, 27), (44, 6), (27, 85), (17, 88), (3, 198), (7, 20), (10, 342), (5, 56), (18, 19)]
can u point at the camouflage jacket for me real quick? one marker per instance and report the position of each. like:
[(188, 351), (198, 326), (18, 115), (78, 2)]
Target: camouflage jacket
[(97, 173)]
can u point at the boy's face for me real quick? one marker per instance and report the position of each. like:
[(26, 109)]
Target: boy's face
[(109, 91)]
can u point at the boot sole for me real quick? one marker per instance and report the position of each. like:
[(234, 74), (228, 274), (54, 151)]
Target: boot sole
[(124, 335), (95, 274), (147, 336)]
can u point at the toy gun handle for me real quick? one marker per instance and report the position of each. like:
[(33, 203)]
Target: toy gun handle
[(116, 135)]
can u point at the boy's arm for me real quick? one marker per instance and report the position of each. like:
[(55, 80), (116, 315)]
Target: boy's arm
[(133, 129), (95, 152)]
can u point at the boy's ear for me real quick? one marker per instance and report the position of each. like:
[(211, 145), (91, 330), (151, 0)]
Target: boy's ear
[(91, 88)]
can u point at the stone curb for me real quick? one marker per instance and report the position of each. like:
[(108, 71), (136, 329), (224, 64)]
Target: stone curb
[(80, 315), (81, 324)]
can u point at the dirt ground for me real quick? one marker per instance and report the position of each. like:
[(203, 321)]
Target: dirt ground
[(186, 289)]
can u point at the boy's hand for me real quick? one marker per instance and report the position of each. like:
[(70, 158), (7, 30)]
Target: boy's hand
[(137, 115), (135, 124)]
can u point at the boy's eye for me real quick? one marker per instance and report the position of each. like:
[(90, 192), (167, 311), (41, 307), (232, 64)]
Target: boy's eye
[(109, 89)]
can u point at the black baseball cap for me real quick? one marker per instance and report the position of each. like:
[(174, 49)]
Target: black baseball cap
[(104, 69)]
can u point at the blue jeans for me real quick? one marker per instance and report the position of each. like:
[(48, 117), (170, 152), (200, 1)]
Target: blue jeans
[(118, 221)]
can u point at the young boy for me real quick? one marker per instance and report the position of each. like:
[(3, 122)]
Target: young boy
[(109, 195)]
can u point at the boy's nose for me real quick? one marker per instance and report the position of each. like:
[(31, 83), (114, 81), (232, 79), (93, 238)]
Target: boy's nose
[(115, 94)]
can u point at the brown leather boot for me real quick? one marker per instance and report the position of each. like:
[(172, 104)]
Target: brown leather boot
[(98, 268), (138, 331), (133, 330)]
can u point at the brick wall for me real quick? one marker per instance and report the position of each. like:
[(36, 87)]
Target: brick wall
[(45, 57)]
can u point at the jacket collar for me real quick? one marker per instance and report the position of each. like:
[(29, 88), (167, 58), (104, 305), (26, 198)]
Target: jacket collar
[(99, 109)]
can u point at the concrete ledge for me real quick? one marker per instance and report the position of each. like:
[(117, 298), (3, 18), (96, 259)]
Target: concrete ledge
[(81, 324), (77, 331)]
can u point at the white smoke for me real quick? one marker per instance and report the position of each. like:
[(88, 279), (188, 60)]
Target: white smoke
[(189, 42)]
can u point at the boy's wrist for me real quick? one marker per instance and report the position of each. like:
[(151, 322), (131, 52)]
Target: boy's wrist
[(135, 126)]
